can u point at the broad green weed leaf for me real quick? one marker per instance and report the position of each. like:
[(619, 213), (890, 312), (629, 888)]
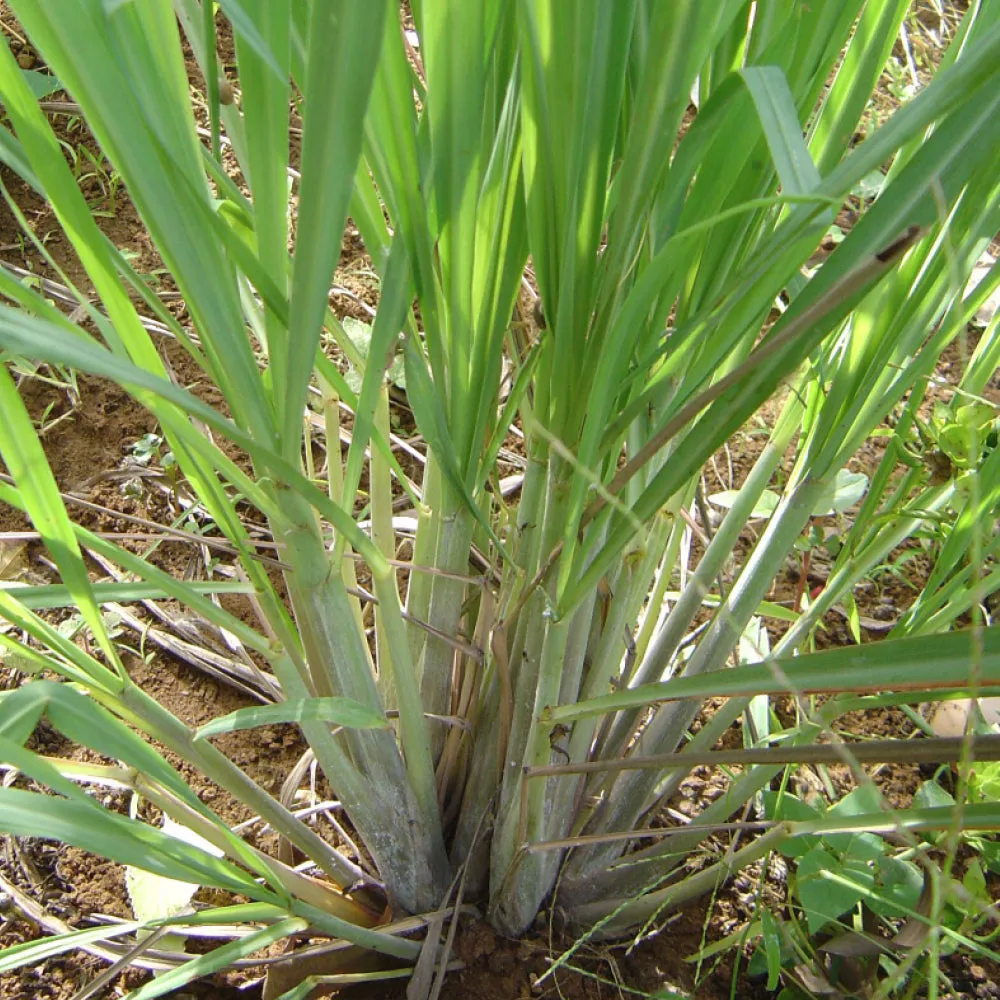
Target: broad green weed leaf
[(931, 795), (822, 899), (859, 860), (862, 801), (785, 806), (985, 782), (898, 884), (853, 617), (41, 84), (764, 507), (870, 186), (846, 490), (772, 947), (361, 336), (757, 966), (974, 881), (13, 559), (990, 850)]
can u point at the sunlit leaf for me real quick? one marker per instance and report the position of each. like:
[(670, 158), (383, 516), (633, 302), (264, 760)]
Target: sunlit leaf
[(846, 490), (764, 507), (154, 897)]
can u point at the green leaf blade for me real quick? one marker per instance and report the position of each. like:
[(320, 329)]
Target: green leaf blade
[(337, 711)]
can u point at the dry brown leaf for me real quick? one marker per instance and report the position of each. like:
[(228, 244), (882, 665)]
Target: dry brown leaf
[(13, 558)]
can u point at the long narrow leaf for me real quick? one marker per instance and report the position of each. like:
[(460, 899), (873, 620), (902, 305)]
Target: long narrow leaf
[(920, 663), (129, 842), (339, 711), (335, 93)]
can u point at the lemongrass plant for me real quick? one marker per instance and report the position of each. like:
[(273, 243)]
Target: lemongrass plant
[(516, 717)]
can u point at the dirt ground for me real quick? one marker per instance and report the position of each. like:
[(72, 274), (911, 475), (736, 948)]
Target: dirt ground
[(92, 431)]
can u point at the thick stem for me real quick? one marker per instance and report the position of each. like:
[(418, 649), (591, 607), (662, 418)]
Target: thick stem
[(413, 726), (668, 637), (418, 588), (380, 489), (653, 621), (489, 757), (618, 915), (215, 765), (435, 599), (403, 858), (527, 649), (409, 852), (519, 882), (613, 622), (335, 484), (643, 867), (630, 793)]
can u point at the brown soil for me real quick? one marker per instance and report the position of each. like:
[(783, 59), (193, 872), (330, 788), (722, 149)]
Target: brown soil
[(89, 443)]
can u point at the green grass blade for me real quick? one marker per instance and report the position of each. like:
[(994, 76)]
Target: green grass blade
[(53, 595), (91, 828), (335, 97), (25, 458), (780, 123), (920, 663), (219, 958), (394, 304), (867, 52), (213, 915), (85, 722), (188, 592), (973, 816), (62, 655), (679, 36), (146, 130), (35, 952), (21, 334), (777, 120), (338, 711), (265, 114), (377, 941)]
